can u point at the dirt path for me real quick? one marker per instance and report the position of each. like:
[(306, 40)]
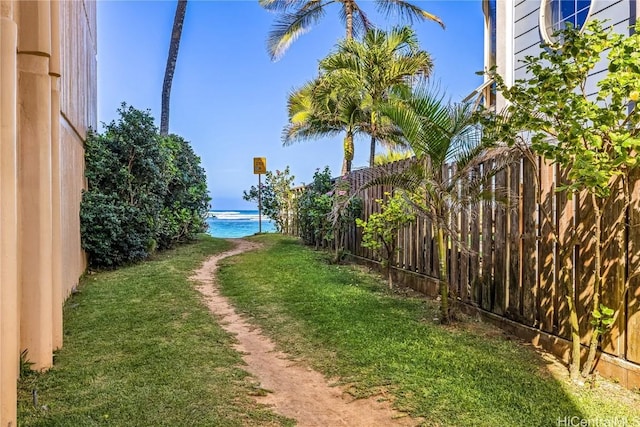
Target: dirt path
[(297, 391)]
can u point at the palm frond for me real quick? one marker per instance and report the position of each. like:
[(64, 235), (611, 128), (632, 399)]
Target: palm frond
[(408, 179), (408, 122), (392, 155), (278, 5), (289, 26), (302, 132), (407, 11), (402, 40)]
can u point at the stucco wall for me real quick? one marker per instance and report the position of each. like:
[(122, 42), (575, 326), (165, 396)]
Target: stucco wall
[(78, 113), (47, 103)]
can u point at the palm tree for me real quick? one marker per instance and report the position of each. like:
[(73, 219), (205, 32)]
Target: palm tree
[(319, 109), (296, 18), (377, 69), (440, 134), (172, 57), (314, 114)]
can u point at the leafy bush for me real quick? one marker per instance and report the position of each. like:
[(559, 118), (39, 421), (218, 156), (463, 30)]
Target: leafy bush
[(144, 191), (314, 209), (277, 197), (380, 232), (186, 201)]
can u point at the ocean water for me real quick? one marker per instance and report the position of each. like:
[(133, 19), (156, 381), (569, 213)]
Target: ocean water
[(231, 224)]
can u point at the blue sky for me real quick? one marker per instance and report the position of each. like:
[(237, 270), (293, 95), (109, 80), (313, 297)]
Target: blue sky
[(229, 100)]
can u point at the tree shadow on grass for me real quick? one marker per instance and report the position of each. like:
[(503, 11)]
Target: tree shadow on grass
[(450, 376)]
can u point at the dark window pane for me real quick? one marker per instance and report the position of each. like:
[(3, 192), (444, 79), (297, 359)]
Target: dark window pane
[(581, 17), (583, 4), (561, 13), (567, 8)]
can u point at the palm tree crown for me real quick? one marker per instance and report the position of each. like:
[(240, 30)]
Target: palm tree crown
[(296, 18), (375, 70)]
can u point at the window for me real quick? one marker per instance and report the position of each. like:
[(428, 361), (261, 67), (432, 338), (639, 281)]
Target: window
[(558, 14)]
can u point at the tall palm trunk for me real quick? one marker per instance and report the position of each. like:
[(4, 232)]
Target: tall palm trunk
[(346, 164), (174, 45), (348, 153), (348, 9), (372, 149)]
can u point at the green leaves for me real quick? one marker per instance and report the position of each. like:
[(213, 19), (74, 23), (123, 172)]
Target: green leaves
[(144, 191), (593, 137), (603, 318), (277, 196), (314, 209), (380, 231)]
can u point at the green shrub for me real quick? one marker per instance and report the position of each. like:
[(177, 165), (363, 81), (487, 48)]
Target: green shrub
[(276, 195), (186, 201), (314, 209), (380, 232), (144, 191)]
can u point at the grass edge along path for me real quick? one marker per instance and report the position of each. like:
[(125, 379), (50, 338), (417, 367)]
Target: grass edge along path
[(141, 349), (347, 325)]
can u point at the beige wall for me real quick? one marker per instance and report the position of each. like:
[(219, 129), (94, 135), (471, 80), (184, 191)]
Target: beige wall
[(47, 103)]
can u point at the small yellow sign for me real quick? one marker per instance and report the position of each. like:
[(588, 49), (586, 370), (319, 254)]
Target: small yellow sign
[(259, 165)]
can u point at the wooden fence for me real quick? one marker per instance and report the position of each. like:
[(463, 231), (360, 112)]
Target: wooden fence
[(514, 267)]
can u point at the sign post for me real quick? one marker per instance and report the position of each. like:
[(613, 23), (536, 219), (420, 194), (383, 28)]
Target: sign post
[(259, 167)]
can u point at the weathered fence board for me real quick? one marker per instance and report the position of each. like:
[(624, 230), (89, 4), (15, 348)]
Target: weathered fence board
[(528, 245), (546, 294), (513, 243), (500, 249), (565, 252), (613, 270), (474, 258), (633, 293), (585, 265), (465, 288), (454, 276), (486, 248)]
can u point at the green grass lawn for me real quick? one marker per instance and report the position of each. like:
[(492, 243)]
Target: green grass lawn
[(345, 324), (140, 349)]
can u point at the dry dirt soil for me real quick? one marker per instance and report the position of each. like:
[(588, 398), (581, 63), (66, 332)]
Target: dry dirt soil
[(294, 390)]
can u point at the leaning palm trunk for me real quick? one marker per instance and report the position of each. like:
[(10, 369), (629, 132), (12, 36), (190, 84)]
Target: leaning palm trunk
[(174, 45)]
